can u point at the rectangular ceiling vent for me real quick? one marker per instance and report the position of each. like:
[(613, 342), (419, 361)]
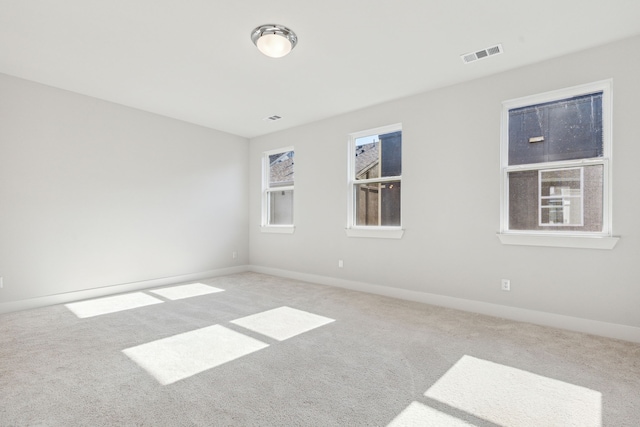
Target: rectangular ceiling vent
[(481, 54), (272, 118)]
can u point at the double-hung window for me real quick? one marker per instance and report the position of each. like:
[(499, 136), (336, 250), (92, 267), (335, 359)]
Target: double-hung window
[(556, 166), (277, 190), (375, 183)]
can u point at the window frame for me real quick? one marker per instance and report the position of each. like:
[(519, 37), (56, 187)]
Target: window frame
[(603, 239), (372, 231), (267, 189)]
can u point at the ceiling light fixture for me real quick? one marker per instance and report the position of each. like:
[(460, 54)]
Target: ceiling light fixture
[(274, 40)]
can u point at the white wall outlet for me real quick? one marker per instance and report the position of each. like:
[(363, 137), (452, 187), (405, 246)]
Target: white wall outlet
[(1, 282), (340, 263), (506, 285), (234, 255)]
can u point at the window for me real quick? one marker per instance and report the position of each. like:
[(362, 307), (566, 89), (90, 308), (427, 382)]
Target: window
[(556, 151), (375, 182), (277, 190)]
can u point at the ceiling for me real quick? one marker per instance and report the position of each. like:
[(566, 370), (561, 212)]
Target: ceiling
[(194, 60)]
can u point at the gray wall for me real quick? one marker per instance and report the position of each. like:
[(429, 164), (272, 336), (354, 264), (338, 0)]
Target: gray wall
[(95, 194), (451, 181)]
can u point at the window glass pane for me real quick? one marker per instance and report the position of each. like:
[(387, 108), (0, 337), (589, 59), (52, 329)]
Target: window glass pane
[(378, 204), (367, 157), (391, 154), (566, 129), (575, 128), (378, 156), (281, 207), (281, 169), (561, 197), (550, 199)]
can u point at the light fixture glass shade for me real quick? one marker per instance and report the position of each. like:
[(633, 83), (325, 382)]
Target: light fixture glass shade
[(274, 45), (274, 40)]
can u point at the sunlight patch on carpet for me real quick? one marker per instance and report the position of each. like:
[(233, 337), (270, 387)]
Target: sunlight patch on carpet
[(181, 356), (113, 304), (512, 397), (186, 291), (417, 414), (282, 323)]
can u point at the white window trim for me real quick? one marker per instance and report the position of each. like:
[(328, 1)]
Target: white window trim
[(370, 231), (376, 232), (265, 227), (540, 239), (569, 239), (278, 229)]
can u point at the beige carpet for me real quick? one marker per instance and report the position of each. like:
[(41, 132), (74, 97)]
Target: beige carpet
[(256, 350)]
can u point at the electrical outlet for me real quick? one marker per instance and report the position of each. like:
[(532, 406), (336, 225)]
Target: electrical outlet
[(340, 263), (234, 255), (1, 282), (506, 285)]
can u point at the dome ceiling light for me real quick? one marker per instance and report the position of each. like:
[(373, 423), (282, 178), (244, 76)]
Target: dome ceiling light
[(274, 40)]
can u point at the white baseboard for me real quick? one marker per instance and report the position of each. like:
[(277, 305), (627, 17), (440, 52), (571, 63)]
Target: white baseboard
[(64, 298), (594, 327)]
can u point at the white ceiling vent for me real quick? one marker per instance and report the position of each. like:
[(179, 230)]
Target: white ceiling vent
[(481, 54), (272, 118)]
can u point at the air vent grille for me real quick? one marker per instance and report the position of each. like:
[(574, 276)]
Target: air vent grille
[(481, 54)]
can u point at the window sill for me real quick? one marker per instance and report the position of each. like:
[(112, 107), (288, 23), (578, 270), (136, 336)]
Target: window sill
[(278, 229), (582, 242), (375, 232)]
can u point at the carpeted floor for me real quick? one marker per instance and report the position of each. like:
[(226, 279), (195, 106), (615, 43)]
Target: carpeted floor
[(266, 351)]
